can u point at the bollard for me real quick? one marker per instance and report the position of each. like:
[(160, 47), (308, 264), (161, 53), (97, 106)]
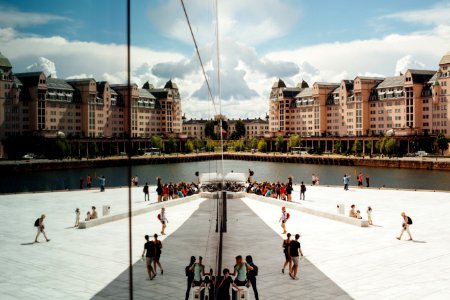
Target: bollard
[(239, 294), (341, 209), (106, 209)]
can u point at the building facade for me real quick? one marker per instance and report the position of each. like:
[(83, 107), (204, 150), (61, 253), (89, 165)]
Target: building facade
[(411, 104), (84, 108)]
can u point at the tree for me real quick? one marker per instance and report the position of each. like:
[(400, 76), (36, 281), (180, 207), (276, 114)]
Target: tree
[(279, 143), (338, 147), (239, 145), (209, 130), (294, 141), (253, 143), (156, 142), (188, 146), (239, 130), (171, 144), (357, 147), (198, 144), (210, 145), (368, 146), (442, 142), (262, 145), (390, 145)]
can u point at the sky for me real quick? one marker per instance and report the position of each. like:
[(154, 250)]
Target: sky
[(259, 42)]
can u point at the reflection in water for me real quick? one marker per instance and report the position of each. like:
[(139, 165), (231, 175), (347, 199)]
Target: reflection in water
[(329, 175)]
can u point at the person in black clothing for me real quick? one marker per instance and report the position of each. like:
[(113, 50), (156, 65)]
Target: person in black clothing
[(158, 247), (251, 275), (294, 251), (289, 190), (149, 251), (224, 286), (145, 190), (170, 191), (302, 191), (159, 189), (190, 276)]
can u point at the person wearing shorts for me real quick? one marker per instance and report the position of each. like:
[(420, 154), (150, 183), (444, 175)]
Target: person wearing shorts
[(149, 252), (295, 251), (285, 246), (158, 247)]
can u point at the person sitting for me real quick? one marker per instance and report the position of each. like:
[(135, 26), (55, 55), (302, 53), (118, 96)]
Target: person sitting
[(352, 213), (358, 214), (94, 213), (88, 216)]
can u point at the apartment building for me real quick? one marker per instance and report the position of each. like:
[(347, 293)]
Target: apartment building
[(194, 129), (84, 108), (414, 103), (254, 128)]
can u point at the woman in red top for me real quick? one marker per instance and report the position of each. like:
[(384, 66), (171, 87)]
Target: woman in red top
[(282, 191), (165, 192)]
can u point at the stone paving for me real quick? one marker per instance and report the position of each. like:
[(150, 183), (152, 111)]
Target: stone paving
[(341, 260)]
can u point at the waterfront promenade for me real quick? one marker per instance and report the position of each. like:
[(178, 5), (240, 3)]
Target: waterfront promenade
[(340, 259)]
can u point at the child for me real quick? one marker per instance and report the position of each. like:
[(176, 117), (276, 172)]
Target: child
[(358, 214), (369, 215), (88, 216), (77, 217)]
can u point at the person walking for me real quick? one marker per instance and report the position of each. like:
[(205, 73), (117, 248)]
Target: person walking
[(190, 276), (407, 221), (88, 181), (283, 219), (146, 194), (81, 182), (149, 252), (159, 188), (158, 247), (102, 183), (77, 217), (294, 251), (288, 260), (302, 191), (360, 180), (39, 224), (251, 275), (346, 180), (163, 219)]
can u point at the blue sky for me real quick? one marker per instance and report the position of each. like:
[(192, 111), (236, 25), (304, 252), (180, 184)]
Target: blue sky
[(261, 40)]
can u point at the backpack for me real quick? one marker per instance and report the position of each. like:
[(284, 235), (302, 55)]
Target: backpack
[(255, 270), (288, 216), (409, 221), (159, 217), (36, 223)]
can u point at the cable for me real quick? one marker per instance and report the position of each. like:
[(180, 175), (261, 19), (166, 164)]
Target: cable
[(198, 55)]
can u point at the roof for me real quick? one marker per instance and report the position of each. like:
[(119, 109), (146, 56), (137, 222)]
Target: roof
[(4, 62), (195, 121), (370, 78), (171, 85), (421, 76), (148, 86), (29, 78), (327, 84), (81, 80), (290, 92), (392, 81), (445, 59), (58, 84), (143, 93), (348, 84), (307, 92), (279, 84), (434, 78), (248, 121), (160, 93), (17, 82), (302, 84)]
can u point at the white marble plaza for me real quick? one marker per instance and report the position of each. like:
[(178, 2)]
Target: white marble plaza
[(367, 263)]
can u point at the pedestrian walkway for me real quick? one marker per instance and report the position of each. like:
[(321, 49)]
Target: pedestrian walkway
[(196, 237), (247, 234)]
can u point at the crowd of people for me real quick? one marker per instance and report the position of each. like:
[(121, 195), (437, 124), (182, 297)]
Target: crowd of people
[(170, 190), (244, 273)]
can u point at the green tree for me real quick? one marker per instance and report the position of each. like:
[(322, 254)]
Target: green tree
[(390, 146), (188, 146), (368, 145), (338, 147), (279, 143), (239, 130), (198, 144), (357, 147), (379, 146), (253, 143), (262, 145), (210, 145), (156, 142), (171, 144), (209, 130), (442, 142), (294, 141), (239, 145)]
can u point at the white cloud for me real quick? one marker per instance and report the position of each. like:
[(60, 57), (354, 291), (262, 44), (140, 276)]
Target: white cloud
[(437, 15), (45, 65), (407, 62), (10, 17), (80, 76)]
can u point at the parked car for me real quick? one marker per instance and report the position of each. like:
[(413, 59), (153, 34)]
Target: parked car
[(421, 153), (29, 156)]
